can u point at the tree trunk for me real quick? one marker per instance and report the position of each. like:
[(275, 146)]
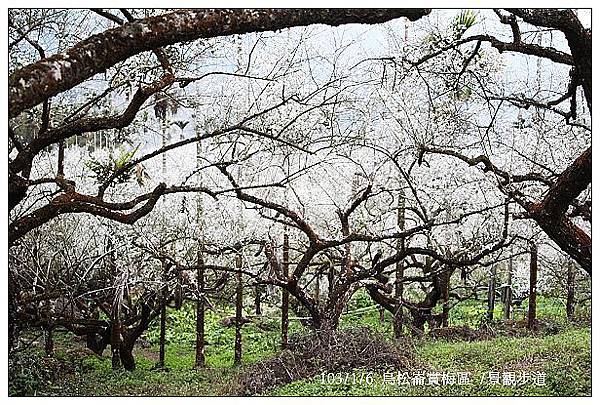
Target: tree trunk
[(163, 130), (163, 319), (346, 263), (131, 334), (257, 302), (570, 292), (508, 291), (285, 295), (48, 341), (48, 338), (200, 361), (163, 295), (446, 297), (115, 343), (318, 288), (398, 284), (326, 323), (200, 341), (98, 342), (330, 279), (419, 319), (163, 331), (550, 214), (422, 312), (238, 312), (491, 298), (533, 270), (126, 355)]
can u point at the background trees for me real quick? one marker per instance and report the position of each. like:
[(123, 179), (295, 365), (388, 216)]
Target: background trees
[(413, 160)]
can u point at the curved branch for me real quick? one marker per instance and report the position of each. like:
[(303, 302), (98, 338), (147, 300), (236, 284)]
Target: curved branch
[(488, 166), (73, 202)]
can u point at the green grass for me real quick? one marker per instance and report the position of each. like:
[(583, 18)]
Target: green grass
[(181, 339), (565, 358), (471, 313)]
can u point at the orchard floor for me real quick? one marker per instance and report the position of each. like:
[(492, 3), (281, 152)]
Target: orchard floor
[(561, 362)]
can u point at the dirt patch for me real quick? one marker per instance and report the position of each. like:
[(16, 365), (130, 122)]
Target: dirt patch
[(309, 355)]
